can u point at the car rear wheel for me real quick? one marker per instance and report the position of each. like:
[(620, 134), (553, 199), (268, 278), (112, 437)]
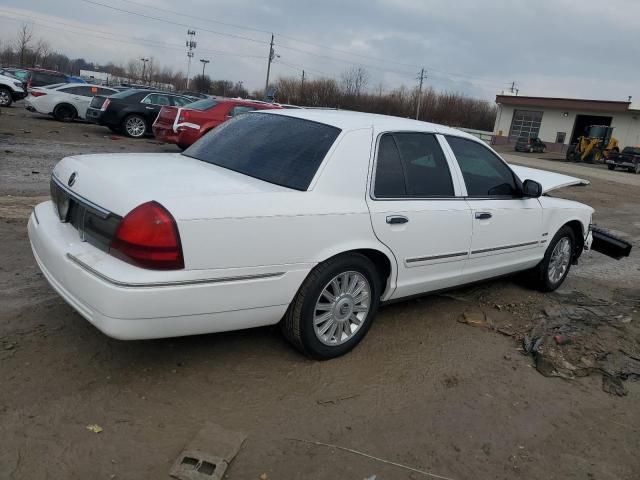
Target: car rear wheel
[(611, 167), (65, 113), (637, 168), (554, 267), (134, 126), (5, 97), (334, 307)]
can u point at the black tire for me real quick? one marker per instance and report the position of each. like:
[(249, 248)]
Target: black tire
[(540, 273), (141, 126), (65, 113), (571, 153), (297, 324), (5, 97), (636, 169), (611, 167)]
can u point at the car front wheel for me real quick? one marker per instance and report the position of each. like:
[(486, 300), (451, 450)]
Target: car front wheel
[(334, 307), (134, 126), (555, 266), (5, 97)]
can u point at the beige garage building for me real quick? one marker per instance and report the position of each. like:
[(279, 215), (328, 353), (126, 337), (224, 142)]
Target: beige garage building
[(560, 121)]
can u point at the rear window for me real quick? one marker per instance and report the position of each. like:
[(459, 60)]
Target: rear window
[(282, 150), (204, 104)]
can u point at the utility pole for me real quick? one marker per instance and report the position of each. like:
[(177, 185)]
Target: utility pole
[(204, 64), (191, 45), (302, 88), (144, 67), (272, 55), (422, 77)]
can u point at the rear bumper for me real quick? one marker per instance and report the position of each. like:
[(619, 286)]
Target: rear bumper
[(128, 302), (622, 163), (166, 134), (18, 95)]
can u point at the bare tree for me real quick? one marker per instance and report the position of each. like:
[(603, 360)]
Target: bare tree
[(41, 53), (354, 81), (133, 70), (23, 42)]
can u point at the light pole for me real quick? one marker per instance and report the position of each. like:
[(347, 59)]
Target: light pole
[(204, 64), (144, 67)]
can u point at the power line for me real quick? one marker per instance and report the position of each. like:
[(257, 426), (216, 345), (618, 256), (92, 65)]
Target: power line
[(118, 37), (159, 19)]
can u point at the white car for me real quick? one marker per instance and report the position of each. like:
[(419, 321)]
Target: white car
[(12, 89), (66, 101), (309, 218)]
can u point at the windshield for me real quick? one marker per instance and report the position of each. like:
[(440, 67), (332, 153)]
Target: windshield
[(282, 150), (204, 104)]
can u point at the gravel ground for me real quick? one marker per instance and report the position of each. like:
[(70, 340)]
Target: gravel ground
[(423, 390)]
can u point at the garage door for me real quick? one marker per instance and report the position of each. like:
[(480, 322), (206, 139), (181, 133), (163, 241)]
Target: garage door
[(526, 123)]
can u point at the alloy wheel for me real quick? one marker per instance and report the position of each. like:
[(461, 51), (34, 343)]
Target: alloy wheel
[(135, 126), (342, 308), (559, 261), (5, 98)]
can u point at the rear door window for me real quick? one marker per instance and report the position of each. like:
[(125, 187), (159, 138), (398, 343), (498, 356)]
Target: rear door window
[(412, 165), (484, 173), (157, 99), (181, 101), (282, 150)]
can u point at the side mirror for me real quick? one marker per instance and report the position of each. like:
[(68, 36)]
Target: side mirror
[(531, 188)]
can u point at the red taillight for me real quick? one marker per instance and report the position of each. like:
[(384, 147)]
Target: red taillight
[(148, 237), (184, 116), (35, 93), (105, 105)]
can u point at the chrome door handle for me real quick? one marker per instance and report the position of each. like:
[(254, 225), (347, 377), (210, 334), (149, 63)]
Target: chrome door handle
[(483, 215), (397, 219), (149, 108)]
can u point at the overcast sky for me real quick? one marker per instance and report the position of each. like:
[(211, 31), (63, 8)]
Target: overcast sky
[(574, 48)]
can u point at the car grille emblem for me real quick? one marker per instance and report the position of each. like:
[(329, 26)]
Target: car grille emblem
[(72, 179)]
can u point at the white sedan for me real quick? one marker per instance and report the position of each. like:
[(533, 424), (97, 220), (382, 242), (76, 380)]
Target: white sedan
[(309, 218), (65, 101)]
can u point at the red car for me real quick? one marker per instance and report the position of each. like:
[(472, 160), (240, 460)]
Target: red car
[(184, 125)]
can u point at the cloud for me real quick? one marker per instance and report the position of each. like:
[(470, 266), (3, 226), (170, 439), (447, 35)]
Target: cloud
[(549, 47)]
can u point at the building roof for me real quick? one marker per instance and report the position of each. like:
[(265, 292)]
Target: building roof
[(564, 103)]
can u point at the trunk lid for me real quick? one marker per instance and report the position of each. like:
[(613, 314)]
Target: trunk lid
[(121, 182), (97, 101), (167, 117), (549, 180)]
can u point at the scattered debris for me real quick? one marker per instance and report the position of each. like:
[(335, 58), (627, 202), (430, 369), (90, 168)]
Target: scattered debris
[(94, 428), (264, 476), (363, 454), (475, 318), (590, 335), (335, 401), (208, 455)]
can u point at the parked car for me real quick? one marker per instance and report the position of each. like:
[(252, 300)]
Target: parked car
[(12, 89), (133, 111), (194, 94), (310, 218), (65, 102), (629, 158), (38, 77), (531, 145), (184, 125)]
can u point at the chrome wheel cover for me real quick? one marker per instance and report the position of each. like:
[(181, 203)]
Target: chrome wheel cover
[(135, 126), (341, 308), (5, 98), (559, 261)]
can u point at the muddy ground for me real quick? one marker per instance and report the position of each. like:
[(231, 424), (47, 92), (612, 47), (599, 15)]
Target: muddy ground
[(458, 400)]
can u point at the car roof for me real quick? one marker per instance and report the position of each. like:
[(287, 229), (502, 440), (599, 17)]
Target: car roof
[(350, 120)]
